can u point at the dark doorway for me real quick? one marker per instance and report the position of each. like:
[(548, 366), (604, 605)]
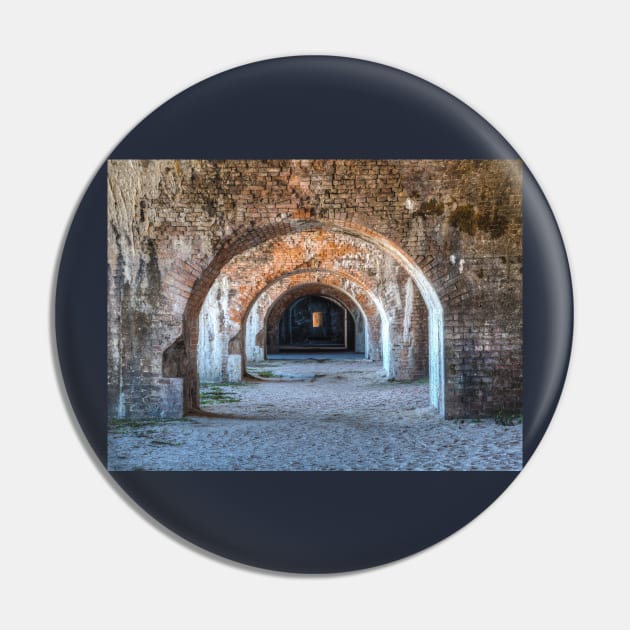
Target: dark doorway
[(313, 322)]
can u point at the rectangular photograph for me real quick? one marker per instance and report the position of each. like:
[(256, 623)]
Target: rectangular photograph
[(314, 315)]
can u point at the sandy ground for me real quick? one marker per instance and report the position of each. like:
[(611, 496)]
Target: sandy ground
[(316, 414)]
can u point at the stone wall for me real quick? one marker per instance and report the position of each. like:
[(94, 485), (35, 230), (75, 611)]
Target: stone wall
[(454, 227)]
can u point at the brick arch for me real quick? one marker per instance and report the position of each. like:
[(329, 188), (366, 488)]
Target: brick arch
[(278, 307), (267, 308), (280, 222), (221, 357), (314, 249), (198, 279), (357, 284), (241, 242)]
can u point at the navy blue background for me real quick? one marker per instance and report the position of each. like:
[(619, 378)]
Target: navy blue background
[(312, 107)]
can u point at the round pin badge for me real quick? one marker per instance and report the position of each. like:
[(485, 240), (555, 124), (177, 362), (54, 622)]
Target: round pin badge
[(313, 314)]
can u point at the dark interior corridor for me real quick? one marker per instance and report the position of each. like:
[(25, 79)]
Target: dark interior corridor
[(314, 322)]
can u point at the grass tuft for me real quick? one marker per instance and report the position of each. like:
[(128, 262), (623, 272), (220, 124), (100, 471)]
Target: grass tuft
[(507, 419), (266, 373), (217, 394)]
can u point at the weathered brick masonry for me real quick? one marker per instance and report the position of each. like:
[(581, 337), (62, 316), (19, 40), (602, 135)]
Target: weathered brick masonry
[(362, 265), (450, 229)]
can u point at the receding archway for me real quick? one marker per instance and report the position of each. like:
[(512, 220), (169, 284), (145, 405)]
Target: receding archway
[(340, 285), (313, 322), (352, 331), (227, 252)]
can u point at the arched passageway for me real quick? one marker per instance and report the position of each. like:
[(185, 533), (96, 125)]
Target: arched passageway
[(441, 234), (406, 317), (313, 322), (264, 312), (409, 324)]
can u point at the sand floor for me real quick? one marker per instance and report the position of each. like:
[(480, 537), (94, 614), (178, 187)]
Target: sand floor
[(316, 414)]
